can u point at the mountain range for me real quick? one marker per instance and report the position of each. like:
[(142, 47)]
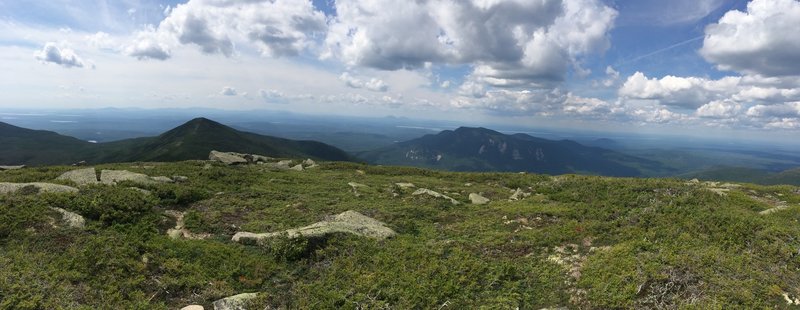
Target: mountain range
[(192, 140), (481, 149)]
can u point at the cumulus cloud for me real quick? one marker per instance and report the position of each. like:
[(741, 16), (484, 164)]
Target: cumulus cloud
[(64, 57), (372, 84), (719, 109), (512, 43), (276, 27), (761, 41), (684, 92), (228, 91)]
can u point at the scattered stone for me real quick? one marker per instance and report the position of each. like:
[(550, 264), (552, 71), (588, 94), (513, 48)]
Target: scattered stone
[(237, 302), (10, 188), (478, 199), (405, 185), (773, 210), (310, 162), (350, 222), (72, 219), (355, 185), (193, 307), (141, 190), (720, 191), (12, 167), (113, 176), (254, 159), (297, 168), (180, 178), (518, 194), (227, 158), (360, 172), (425, 191), (694, 181), (80, 177)]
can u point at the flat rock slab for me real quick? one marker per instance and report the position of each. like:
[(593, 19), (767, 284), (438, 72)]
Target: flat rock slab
[(405, 185), (12, 167), (236, 302), (80, 177), (114, 176), (773, 210), (10, 188), (478, 199), (425, 191), (227, 158), (350, 222)]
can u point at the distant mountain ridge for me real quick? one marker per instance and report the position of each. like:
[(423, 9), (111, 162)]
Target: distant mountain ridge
[(192, 140), (481, 149)]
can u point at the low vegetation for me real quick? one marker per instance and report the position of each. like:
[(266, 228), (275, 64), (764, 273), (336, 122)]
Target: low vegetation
[(567, 241)]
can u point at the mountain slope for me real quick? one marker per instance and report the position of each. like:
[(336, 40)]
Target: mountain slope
[(748, 175), (192, 140), (480, 149), (39, 147)]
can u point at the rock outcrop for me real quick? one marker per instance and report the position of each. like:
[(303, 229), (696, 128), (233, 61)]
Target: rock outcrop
[(425, 191), (193, 307), (35, 187), (72, 219), (350, 222), (236, 302), (228, 158), (80, 177), (478, 199)]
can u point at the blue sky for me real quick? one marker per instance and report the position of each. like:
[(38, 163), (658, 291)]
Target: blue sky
[(711, 66)]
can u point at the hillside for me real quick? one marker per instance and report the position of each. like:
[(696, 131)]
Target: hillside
[(539, 242), (192, 140), (480, 149), (39, 147), (748, 175)]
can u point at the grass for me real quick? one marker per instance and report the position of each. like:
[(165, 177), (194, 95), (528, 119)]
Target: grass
[(576, 242)]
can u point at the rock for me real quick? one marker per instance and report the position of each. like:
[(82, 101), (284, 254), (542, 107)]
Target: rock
[(478, 199), (80, 177), (405, 185), (227, 158), (113, 176), (360, 172), (720, 191), (180, 179), (773, 210), (12, 167), (193, 307), (236, 302), (310, 162), (80, 163), (179, 230), (350, 222), (10, 188), (518, 194), (253, 158), (355, 185), (162, 179), (425, 191), (297, 167), (73, 220), (141, 190)]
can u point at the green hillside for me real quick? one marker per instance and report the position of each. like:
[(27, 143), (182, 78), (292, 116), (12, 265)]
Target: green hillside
[(192, 140), (748, 175), (568, 241), (480, 149)]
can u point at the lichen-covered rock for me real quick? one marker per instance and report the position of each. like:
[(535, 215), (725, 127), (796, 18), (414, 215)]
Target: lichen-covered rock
[(478, 199), (162, 179), (193, 307), (80, 176), (10, 188), (425, 191), (180, 178), (297, 167), (227, 158), (350, 222), (236, 302), (405, 185)]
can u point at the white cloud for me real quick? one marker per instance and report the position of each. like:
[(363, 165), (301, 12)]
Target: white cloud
[(685, 92), (228, 91), (64, 57), (512, 43), (276, 28), (719, 109), (372, 84), (762, 40)]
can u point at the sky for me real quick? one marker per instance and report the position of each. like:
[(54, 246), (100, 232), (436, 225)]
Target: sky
[(704, 67)]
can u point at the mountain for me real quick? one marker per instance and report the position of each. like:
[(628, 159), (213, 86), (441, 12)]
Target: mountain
[(39, 147), (481, 149), (192, 140)]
